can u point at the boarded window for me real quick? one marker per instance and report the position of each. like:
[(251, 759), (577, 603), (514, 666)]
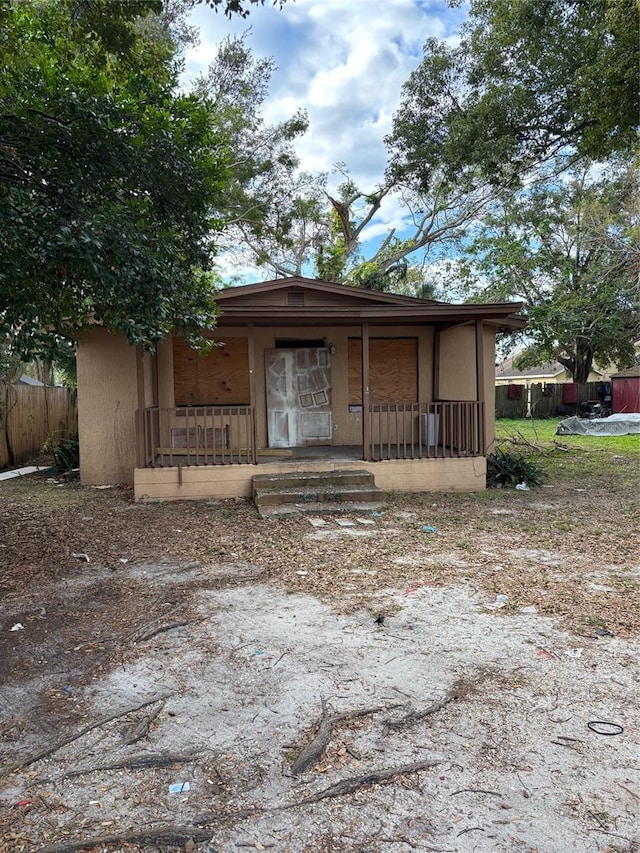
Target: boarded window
[(220, 377), (393, 370)]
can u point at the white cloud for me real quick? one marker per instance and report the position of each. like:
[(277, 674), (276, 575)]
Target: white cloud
[(343, 61)]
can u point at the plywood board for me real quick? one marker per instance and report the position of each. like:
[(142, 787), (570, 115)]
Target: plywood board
[(393, 370), (221, 377)]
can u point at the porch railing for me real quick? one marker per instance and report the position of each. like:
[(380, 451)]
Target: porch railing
[(225, 435), (197, 435), (425, 430)]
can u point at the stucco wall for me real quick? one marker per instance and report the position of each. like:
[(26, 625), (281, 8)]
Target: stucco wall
[(458, 364), (107, 403), (411, 475)]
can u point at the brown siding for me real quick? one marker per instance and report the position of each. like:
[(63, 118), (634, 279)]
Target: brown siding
[(393, 370), (220, 377)]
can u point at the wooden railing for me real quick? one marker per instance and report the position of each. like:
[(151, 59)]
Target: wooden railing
[(196, 435), (224, 435), (425, 430)]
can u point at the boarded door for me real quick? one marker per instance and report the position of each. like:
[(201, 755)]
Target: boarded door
[(298, 396)]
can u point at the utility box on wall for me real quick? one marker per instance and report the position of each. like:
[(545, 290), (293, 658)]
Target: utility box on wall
[(430, 423)]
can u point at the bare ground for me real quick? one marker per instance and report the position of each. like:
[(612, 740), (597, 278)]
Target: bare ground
[(459, 669)]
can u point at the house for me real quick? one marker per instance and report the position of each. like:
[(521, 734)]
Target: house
[(549, 373), (306, 375)]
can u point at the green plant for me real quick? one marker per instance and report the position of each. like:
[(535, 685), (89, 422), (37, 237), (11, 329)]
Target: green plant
[(66, 455), (506, 468)]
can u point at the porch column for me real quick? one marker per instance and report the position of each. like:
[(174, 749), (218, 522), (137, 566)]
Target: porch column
[(140, 436), (436, 364), (366, 423), (251, 348), (480, 387)]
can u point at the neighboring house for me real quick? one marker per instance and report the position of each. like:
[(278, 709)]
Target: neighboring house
[(550, 373), (306, 375), (29, 380)]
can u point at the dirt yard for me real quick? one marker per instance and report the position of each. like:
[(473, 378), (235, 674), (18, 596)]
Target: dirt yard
[(193, 677)]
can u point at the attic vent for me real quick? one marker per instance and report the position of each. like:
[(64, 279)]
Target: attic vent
[(295, 298)]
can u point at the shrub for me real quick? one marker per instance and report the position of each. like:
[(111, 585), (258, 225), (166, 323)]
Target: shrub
[(66, 455), (506, 468)]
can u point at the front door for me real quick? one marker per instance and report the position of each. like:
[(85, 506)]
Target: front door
[(298, 396)]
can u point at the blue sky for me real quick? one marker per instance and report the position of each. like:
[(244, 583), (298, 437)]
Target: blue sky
[(344, 63)]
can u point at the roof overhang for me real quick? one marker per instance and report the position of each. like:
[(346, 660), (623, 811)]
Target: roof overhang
[(381, 309), (499, 316)]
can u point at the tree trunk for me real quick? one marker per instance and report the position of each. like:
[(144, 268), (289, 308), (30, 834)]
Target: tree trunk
[(582, 364), (6, 456)]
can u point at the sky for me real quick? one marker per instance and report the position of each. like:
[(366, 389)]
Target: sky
[(344, 63)]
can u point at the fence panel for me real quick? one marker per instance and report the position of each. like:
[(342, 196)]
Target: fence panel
[(546, 400), (29, 416)]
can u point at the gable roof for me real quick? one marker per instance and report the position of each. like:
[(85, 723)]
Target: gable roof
[(506, 370), (302, 301), (301, 283)]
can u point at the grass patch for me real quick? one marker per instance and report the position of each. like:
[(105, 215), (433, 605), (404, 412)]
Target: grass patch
[(584, 461)]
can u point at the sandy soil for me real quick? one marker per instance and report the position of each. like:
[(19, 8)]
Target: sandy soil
[(461, 672)]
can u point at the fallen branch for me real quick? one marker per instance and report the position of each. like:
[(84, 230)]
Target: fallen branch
[(49, 750), (134, 762), (568, 745), (365, 712), (160, 629), (349, 786), (628, 790), (458, 691), (141, 729), (314, 750), (475, 791), (176, 835)]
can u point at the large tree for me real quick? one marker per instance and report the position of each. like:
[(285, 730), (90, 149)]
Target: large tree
[(262, 176), (107, 179), (569, 248), (113, 182), (307, 229), (528, 79)]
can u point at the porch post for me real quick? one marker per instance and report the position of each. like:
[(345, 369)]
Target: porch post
[(252, 393), (140, 437), (436, 364), (480, 388), (366, 423)]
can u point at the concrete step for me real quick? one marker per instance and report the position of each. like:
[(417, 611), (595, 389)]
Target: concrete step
[(317, 494), (298, 479), (327, 491), (324, 508)]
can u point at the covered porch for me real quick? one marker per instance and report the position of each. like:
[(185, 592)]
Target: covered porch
[(226, 435), (321, 377)]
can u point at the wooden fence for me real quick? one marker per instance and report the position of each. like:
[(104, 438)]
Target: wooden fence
[(30, 416), (545, 400)]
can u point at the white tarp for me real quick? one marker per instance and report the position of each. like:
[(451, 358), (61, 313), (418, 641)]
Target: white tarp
[(621, 424)]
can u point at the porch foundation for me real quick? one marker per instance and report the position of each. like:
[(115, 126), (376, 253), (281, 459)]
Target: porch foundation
[(230, 481)]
